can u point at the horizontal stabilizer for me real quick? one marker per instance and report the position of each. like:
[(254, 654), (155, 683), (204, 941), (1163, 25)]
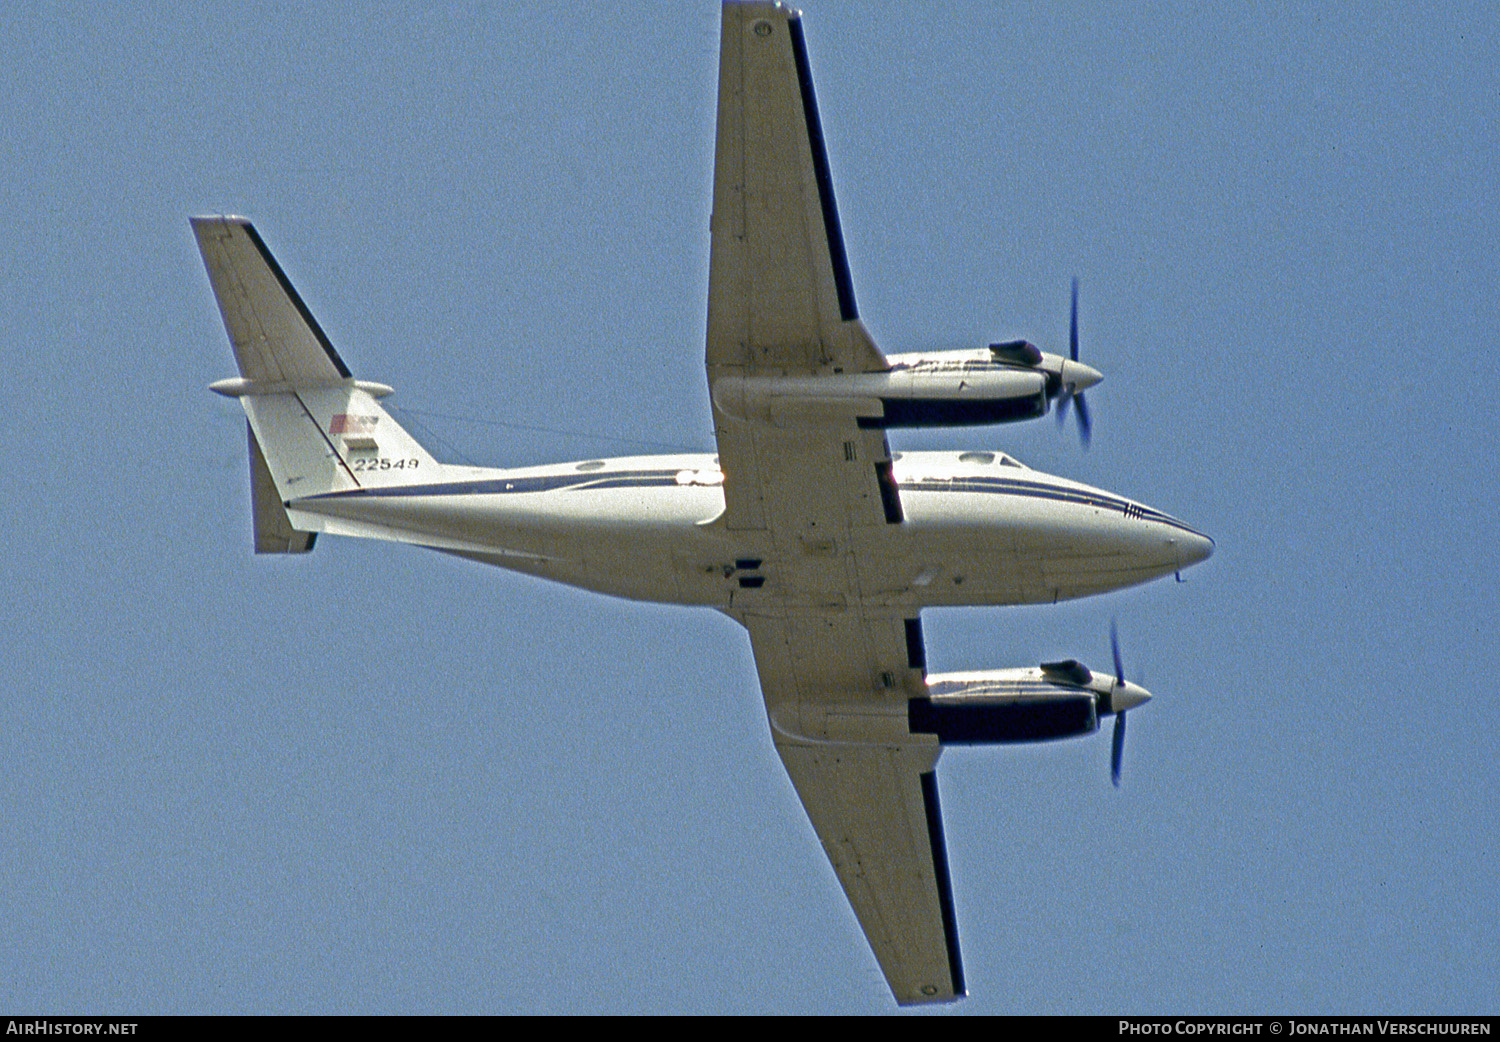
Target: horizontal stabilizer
[(314, 429), (274, 533)]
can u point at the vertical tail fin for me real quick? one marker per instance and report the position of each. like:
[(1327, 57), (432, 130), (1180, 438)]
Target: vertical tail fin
[(313, 427), (275, 338)]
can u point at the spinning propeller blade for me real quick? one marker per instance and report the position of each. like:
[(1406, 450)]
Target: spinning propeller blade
[(1073, 323), (1117, 746), (1117, 750), (1085, 424)]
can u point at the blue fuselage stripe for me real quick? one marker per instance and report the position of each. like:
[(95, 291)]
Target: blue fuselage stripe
[(518, 485)]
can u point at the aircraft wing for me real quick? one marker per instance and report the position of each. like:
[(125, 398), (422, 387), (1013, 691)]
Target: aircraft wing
[(780, 299), (836, 686), (779, 293), (804, 479)]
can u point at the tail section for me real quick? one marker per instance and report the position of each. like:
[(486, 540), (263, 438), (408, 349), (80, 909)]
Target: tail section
[(274, 533), (275, 338), (313, 427)]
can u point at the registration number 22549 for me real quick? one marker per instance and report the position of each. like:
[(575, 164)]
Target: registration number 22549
[(382, 463)]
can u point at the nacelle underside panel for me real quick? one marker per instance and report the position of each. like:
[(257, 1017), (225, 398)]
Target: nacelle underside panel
[(955, 412), (970, 722)]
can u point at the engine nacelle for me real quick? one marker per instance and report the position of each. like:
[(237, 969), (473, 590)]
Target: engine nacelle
[(935, 389), (901, 397), (1038, 704)]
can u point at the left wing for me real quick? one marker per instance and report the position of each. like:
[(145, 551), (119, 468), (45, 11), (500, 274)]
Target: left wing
[(875, 808), (836, 687)]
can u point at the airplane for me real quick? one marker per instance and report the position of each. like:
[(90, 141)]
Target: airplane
[(804, 527)]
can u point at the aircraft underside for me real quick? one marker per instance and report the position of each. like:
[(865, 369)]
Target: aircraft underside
[(805, 526)]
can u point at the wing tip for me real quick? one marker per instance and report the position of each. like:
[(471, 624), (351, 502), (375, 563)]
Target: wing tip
[(209, 219)]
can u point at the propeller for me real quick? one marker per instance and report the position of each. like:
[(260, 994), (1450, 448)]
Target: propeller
[(1117, 745), (1117, 749), (1068, 395)]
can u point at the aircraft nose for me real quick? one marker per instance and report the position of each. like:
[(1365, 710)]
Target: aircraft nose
[(1193, 547)]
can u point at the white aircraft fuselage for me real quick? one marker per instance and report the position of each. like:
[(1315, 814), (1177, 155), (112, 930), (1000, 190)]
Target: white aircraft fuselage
[(986, 531)]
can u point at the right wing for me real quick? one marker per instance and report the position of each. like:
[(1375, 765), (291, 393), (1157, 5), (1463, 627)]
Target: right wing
[(780, 298)]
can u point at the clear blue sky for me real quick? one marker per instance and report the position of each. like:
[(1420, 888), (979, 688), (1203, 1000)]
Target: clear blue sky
[(375, 779)]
